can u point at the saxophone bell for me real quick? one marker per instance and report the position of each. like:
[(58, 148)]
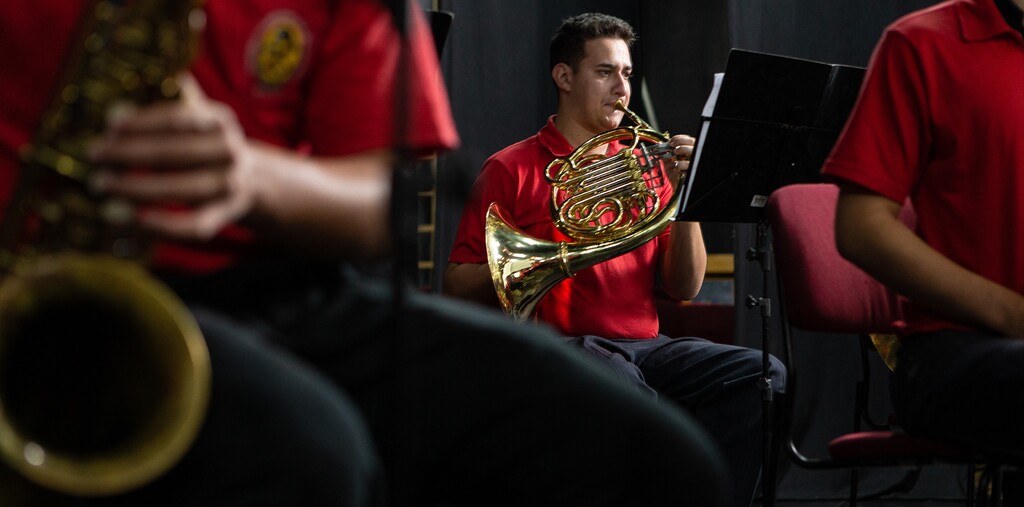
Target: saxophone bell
[(103, 374)]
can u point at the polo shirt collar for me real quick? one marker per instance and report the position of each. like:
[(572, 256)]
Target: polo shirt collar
[(553, 140), (980, 20)]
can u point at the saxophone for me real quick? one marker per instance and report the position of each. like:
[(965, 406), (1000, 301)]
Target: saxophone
[(104, 374)]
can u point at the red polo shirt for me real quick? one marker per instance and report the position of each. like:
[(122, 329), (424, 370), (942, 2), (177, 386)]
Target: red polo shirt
[(313, 75), (614, 299), (939, 120)]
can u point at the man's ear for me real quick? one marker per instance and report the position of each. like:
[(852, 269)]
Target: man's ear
[(562, 75)]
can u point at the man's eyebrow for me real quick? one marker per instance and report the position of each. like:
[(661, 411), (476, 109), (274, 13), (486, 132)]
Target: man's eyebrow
[(612, 66)]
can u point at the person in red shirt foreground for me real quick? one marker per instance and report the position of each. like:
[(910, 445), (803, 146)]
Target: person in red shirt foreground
[(263, 182), (938, 121)]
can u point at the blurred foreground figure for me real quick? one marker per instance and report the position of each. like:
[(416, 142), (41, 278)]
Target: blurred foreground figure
[(269, 173)]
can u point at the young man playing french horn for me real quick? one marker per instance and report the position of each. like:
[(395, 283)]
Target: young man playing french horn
[(608, 309)]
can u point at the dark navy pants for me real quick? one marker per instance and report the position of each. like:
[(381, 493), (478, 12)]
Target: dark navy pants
[(962, 386), (966, 387), (718, 384)]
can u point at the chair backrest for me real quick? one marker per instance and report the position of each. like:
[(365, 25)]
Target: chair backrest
[(821, 290)]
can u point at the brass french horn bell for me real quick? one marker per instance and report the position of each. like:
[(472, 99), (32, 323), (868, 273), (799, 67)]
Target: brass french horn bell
[(609, 204)]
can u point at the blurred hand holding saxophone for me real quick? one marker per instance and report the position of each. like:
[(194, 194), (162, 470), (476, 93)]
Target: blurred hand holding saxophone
[(104, 374)]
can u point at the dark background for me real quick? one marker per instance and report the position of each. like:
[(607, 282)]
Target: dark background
[(495, 63)]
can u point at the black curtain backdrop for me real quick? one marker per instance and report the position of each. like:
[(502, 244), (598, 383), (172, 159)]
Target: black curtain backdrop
[(495, 65)]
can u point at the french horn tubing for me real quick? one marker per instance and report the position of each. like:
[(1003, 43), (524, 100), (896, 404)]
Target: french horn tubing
[(608, 204)]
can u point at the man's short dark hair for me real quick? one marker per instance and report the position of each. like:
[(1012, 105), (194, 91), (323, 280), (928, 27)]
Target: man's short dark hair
[(567, 45)]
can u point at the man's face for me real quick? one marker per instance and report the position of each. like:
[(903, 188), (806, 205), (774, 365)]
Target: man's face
[(601, 78)]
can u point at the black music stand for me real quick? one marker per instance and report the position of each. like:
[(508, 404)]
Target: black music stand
[(440, 25), (770, 121)]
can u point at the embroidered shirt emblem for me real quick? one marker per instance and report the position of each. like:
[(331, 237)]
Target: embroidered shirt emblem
[(278, 49)]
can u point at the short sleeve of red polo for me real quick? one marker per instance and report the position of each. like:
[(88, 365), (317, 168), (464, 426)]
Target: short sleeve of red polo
[(885, 138), (494, 184)]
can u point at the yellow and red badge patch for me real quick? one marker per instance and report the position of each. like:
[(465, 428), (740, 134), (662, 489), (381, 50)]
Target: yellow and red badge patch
[(278, 49)]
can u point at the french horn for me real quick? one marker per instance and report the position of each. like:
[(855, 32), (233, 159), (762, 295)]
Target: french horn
[(608, 204)]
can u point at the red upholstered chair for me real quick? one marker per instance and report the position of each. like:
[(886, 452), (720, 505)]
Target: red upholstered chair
[(822, 292)]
